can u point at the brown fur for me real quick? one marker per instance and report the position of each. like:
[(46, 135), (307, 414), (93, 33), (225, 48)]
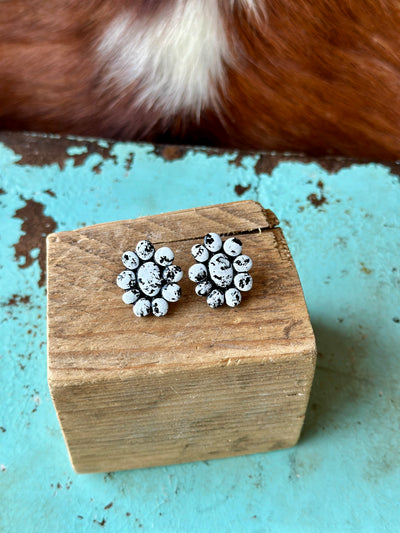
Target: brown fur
[(319, 77)]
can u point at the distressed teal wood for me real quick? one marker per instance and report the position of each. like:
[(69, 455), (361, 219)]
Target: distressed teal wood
[(343, 231)]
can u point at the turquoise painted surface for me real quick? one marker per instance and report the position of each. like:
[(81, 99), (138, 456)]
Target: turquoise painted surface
[(344, 475)]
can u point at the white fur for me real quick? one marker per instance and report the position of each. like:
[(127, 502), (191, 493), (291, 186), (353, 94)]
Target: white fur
[(251, 6), (176, 59)]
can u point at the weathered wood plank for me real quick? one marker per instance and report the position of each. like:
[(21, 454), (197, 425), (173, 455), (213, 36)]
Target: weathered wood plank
[(196, 384)]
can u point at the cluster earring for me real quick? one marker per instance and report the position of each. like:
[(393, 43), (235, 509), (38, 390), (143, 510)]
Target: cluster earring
[(150, 279), (221, 271)]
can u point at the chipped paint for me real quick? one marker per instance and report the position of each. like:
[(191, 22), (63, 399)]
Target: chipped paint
[(316, 200), (240, 189), (170, 152), (35, 228), (346, 252), (17, 299), (267, 162), (44, 150)]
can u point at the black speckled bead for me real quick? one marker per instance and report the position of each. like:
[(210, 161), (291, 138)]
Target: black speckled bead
[(215, 298), (159, 306), (233, 247), (242, 263), (200, 253), (233, 297), (203, 288), (171, 292), (131, 296), (213, 242), (198, 273), (145, 250), (172, 274), (126, 279), (149, 279), (130, 260), (221, 271), (142, 307), (243, 281), (164, 256)]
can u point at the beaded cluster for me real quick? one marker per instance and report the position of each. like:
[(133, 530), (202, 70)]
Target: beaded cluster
[(221, 271), (150, 279)]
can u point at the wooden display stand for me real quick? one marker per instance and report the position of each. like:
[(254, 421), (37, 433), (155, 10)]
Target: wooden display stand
[(197, 384)]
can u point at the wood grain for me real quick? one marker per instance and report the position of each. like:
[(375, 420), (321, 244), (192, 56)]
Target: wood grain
[(196, 384)]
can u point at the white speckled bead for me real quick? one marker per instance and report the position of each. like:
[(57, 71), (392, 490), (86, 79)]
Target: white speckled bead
[(130, 260), (149, 279), (172, 274), (233, 297), (213, 242), (142, 307), (221, 271), (233, 247), (145, 250), (203, 288), (159, 307), (164, 256), (171, 292), (126, 279), (197, 273), (200, 253), (243, 281), (215, 298), (242, 263), (130, 297)]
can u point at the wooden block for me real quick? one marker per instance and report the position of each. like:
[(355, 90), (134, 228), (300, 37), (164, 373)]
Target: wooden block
[(197, 384)]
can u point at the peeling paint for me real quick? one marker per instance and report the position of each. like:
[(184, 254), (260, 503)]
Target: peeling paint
[(42, 150), (316, 200), (238, 160), (240, 189), (35, 227), (129, 161), (170, 152), (267, 162), (16, 299)]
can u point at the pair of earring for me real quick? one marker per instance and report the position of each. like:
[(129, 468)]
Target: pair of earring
[(150, 279)]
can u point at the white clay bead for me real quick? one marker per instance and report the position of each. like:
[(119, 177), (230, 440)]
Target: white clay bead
[(221, 271), (164, 256), (243, 281), (172, 274), (233, 247), (149, 279), (215, 298), (213, 242), (233, 297), (200, 253), (159, 307), (130, 260), (131, 297), (145, 250), (126, 279), (171, 292), (242, 263), (203, 288), (142, 307), (197, 273)]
